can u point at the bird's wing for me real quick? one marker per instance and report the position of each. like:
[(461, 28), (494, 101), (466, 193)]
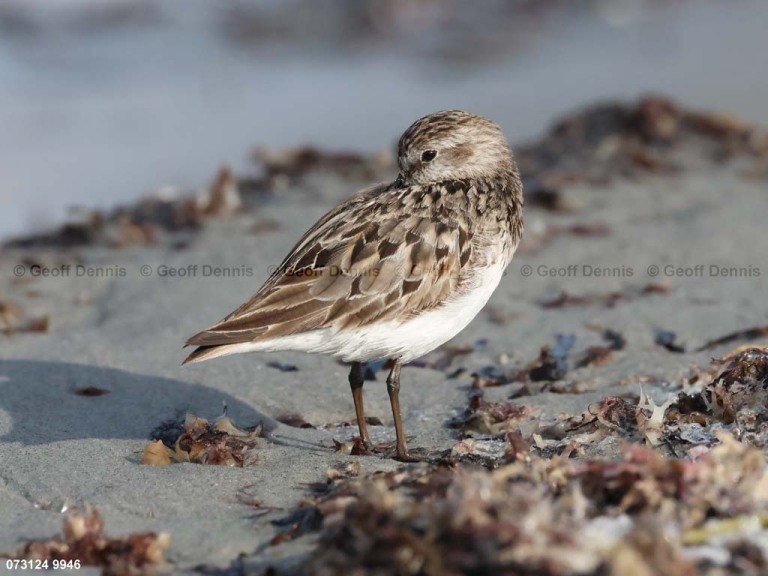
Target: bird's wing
[(366, 260)]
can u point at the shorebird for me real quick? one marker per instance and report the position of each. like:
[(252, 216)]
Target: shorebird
[(396, 270)]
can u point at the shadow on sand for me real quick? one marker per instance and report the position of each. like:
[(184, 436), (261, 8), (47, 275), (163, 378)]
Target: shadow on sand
[(39, 403)]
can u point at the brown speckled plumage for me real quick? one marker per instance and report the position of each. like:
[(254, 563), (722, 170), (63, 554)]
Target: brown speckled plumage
[(393, 252)]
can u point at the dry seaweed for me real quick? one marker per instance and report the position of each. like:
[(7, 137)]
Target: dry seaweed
[(731, 396), (747, 334), (222, 197), (290, 164), (489, 377), (294, 421), (615, 413), (14, 321), (595, 356), (135, 225), (654, 288), (355, 447), (565, 299), (599, 428), (200, 442), (615, 339), (141, 223), (611, 140), (542, 503), (168, 431), (591, 146), (91, 391), (493, 418), (83, 540), (633, 515), (552, 363), (156, 454), (741, 385), (283, 367), (327, 499), (668, 340)]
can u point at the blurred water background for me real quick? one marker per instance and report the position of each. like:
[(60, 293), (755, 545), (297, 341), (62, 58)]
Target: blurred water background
[(103, 101)]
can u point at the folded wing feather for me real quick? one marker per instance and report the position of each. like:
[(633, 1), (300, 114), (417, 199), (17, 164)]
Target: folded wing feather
[(349, 273)]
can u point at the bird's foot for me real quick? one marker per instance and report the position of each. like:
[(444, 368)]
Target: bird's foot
[(410, 456), (407, 458)]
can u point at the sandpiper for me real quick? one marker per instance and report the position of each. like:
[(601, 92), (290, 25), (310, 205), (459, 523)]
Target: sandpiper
[(398, 269)]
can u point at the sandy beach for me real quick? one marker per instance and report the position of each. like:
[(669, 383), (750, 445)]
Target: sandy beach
[(669, 259)]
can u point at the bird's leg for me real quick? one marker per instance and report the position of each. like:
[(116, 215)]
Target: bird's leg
[(356, 380), (393, 388)]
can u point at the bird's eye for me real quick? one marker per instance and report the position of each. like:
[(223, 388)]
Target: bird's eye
[(428, 155)]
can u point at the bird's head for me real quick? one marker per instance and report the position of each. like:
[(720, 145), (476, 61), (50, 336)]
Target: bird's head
[(453, 145)]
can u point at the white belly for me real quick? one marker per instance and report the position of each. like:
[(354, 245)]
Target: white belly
[(392, 339)]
